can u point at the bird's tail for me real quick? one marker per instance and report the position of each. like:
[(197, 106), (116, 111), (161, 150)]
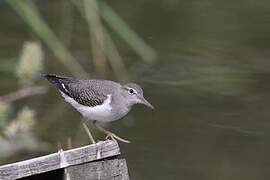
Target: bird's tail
[(59, 81), (54, 79)]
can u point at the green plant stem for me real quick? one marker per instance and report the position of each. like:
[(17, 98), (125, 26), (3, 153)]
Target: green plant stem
[(124, 31)]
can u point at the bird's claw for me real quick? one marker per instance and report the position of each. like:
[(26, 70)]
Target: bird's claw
[(109, 136), (112, 136)]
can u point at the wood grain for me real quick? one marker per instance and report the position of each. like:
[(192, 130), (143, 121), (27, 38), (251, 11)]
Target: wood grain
[(61, 159), (115, 169)]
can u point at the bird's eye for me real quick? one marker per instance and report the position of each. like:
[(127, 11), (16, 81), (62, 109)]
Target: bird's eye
[(131, 91)]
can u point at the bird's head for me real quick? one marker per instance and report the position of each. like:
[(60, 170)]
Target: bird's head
[(134, 95)]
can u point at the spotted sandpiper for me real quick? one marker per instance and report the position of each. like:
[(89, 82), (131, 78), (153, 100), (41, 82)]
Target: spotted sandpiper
[(99, 100)]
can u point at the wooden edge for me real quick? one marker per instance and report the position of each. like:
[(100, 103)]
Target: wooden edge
[(61, 159)]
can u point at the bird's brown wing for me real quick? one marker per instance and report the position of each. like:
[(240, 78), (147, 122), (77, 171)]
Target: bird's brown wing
[(86, 94)]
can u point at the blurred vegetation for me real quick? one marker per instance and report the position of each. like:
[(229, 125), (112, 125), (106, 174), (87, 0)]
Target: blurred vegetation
[(16, 133), (105, 53), (31, 62), (29, 12)]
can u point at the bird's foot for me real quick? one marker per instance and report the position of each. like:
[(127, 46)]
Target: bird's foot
[(113, 136)]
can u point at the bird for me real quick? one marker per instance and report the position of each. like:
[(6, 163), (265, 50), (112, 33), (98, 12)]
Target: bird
[(99, 100)]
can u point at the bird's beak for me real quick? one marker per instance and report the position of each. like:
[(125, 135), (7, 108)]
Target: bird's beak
[(145, 102)]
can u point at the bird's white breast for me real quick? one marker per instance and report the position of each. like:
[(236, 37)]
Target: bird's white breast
[(101, 112)]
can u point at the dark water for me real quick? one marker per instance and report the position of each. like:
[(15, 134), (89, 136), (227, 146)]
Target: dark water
[(210, 87)]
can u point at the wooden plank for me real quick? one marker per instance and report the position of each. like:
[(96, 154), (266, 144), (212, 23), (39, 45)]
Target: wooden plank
[(59, 160), (115, 169)]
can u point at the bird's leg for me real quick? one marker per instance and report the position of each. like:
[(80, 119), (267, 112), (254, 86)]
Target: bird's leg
[(109, 134), (88, 133)]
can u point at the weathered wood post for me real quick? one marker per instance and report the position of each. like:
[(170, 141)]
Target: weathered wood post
[(93, 162)]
